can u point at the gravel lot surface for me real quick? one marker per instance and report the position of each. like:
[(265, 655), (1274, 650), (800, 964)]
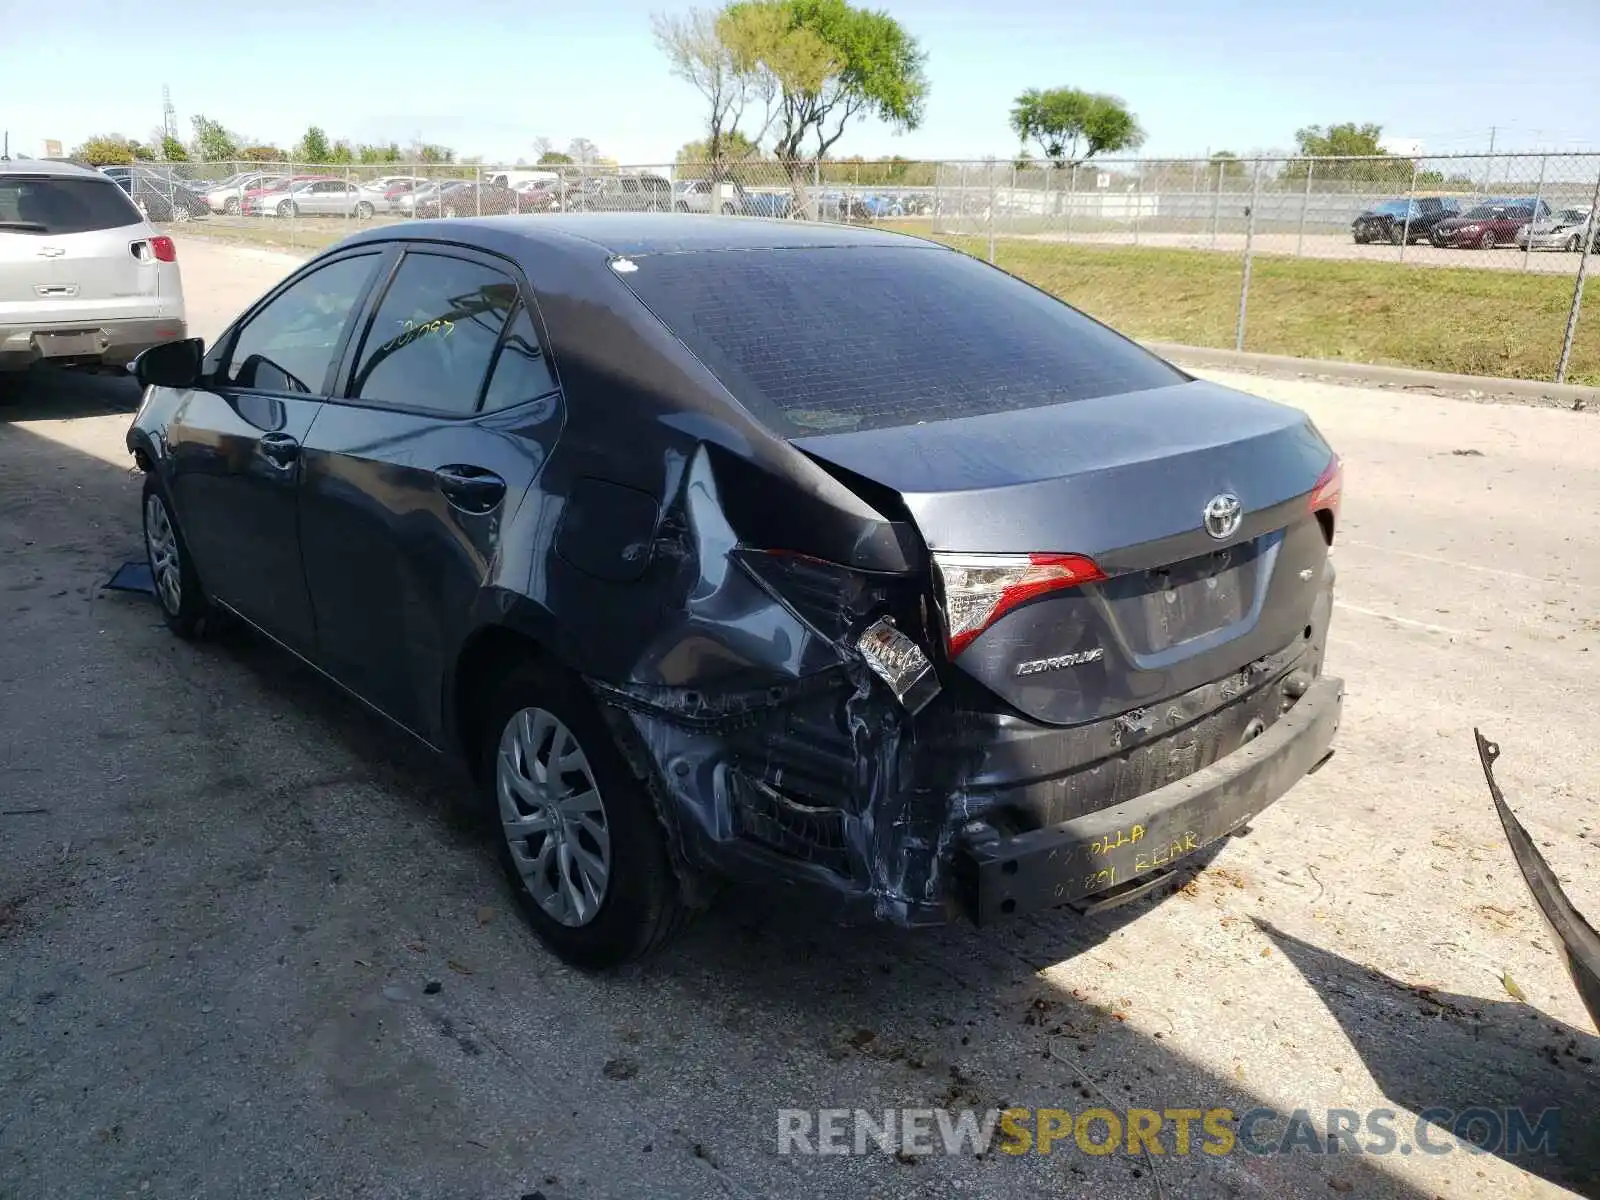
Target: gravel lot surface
[(225, 892)]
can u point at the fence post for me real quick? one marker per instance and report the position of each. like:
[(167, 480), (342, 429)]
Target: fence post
[(1216, 202), (1013, 198), (1577, 291), (1249, 239), (477, 191), (1072, 196), (1538, 195), (816, 189), (989, 171), (1411, 200), (1305, 203)]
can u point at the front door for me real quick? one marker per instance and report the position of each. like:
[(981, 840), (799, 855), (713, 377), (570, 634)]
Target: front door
[(236, 446), (449, 412)]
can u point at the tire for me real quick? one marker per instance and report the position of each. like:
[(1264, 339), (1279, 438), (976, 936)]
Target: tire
[(450, 211), (364, 211), (680, 207), (1574, 244), (183, 602), (1487, 242), (727, 210), (181, 214), (230, 207), (1360, 241), (1397, 234), (143, 207), (288, 208), (636, 907)]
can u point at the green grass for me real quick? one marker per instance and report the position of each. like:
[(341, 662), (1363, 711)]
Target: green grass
[(1461, 320)]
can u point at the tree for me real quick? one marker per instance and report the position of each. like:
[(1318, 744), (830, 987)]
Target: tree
[(140, 151), (1227, 164), (264, 153), (313, 147), (554, 158), (694, 159), (104, 150), (1349, 140), (582, 150), (1072, 126), (212, 142), (1346, 141), (378, 154), (172, 150), (826, 63), (698, 56)]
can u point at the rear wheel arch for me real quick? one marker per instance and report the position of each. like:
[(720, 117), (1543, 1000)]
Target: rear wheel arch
[(487, 659)]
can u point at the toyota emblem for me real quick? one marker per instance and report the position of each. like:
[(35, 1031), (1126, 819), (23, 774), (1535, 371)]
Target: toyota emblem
[(1222, 515)]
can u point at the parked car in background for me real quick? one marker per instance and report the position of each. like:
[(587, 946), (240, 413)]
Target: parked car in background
[(267, 184), (1014, 625), (541, 195), (1410, 220), (84, 279), (1564, 229), (159, 195), (317, 197), (1489, 224), (707, 196), (228, 196), (466, 199), (621, 193)]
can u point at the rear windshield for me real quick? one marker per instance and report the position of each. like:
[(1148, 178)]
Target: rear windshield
[(43, 204), (1391, 208), (836, 339)]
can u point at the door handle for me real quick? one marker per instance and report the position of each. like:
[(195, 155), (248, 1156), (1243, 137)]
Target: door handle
[(279, 448), (471, 489)]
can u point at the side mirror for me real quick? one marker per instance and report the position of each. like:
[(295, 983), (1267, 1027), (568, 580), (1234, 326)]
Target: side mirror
[(171, 364)]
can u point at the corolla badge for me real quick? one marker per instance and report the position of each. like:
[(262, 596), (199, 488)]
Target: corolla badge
[(1222, 515), (1076, 659)]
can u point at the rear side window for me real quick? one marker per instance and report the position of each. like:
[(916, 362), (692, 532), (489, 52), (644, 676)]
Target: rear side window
[(434, 334), (42, 204), (521, 371), (837, 339)]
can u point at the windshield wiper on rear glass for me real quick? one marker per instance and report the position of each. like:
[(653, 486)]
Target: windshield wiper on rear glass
[(25, 226)]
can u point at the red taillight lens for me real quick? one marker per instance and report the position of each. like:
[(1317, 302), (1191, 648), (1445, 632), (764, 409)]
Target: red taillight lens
[(163, 249), (1326, 494), (979, 589)]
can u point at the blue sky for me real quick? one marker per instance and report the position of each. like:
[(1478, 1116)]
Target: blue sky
[(488, 76)]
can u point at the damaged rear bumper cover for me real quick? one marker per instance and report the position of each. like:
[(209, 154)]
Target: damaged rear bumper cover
[(1110, 848), (825, 797)]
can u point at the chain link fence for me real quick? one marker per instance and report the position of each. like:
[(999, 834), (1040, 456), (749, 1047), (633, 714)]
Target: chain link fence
[(1314, 223)]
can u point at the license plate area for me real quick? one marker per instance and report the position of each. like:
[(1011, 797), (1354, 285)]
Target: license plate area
[(73, 343), (1165, 606)]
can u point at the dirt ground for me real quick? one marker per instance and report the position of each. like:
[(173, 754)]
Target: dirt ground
[(224, 890)]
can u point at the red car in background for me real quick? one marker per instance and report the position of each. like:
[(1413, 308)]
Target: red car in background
[(1490, 224)]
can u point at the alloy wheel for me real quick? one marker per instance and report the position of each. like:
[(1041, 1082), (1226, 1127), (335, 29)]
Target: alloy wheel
[(166, 569), (553, 817)]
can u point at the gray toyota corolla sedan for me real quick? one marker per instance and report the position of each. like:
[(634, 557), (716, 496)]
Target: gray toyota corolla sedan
[(821, 558)]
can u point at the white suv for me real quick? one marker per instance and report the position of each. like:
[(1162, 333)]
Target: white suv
[(84, 279)]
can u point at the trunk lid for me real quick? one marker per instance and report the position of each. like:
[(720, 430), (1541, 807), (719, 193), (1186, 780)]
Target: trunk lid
[(1124, 480)]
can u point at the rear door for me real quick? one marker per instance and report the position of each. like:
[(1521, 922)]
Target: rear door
[(73, 250), (446, 418), (236, 443)]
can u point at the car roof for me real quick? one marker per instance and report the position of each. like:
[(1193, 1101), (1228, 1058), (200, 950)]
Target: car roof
[(44, 166), (650, 233)]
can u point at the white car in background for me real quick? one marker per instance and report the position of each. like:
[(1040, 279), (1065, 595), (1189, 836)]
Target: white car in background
[(84, 280), (227, 197)]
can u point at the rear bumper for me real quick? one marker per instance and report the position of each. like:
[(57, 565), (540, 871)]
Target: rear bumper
[(1091, 854), (111, 343)]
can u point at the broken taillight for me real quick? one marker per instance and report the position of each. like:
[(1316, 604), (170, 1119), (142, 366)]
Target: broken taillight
[(1326, 494), (979, 589)]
